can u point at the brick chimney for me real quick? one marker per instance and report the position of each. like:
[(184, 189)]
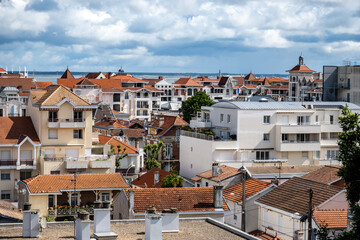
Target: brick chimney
[(215, 168), (218, 197)]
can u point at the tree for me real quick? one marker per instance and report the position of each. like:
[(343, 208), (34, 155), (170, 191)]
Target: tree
[(194, 104), (152, 154), (119, 155), (349, 155), (172, 181)]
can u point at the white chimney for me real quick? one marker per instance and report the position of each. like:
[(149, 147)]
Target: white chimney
[(102, 222), (170, 220), (131, 203), (218, 198), (82, 225), (156, 177), (215, 169), (31, 224), (153, 225)]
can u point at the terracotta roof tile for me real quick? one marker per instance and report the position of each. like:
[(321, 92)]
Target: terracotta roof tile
[(43, 85), (250, 77), (23, 83), (2, 70), (85, 81), (250, 86), (67, 74), (300, 68), (169, 122), (15, 128), (334, 218), (24, 94), (111, 140), (54, 94), (110, 123), (326, 174), (63, 182), (284, 169), (187, 81), (252, 186), (293, 195), (226, 172), (188, 199), (147, 180), (130, 132), (9, 210)]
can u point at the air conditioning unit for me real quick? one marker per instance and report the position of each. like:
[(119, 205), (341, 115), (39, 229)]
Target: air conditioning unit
[(299, 235)]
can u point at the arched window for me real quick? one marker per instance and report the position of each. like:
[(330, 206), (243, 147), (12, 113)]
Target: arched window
[(189, 92)]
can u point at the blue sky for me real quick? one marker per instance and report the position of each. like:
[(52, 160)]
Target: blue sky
[(236, 36)]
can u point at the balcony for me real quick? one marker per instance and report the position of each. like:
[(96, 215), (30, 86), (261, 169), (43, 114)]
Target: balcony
[(296, 146), (300, 129), (200, 123), (66, 123), (101, 163), (26, 162), (52, 157), (7, 162), (75, 164)]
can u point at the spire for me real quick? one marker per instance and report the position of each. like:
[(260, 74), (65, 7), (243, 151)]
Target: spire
[(67, 74), (301, 60)]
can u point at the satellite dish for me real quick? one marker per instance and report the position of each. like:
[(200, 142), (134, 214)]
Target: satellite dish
[(219, 170)]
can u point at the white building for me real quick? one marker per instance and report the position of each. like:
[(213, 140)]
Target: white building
[(259, 133), (12, 102)]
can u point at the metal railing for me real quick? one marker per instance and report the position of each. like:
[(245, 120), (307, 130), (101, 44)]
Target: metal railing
[(27, 162), (7, 162), (197, 135), (56, 157), (295, 141), (65, 120)]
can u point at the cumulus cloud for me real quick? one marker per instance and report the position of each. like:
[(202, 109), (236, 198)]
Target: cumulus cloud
[(142, 33)]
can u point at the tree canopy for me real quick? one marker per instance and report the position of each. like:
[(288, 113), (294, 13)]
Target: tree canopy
[(349, 155), (119, 155), (152, 154), (194, 104), (172, 181)]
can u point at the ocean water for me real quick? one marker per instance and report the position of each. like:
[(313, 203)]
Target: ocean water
[(170, 77)]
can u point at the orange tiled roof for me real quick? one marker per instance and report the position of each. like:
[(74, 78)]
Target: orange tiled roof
[(187, 81), (64, 182), (169, 122), (23, 94), (250, 86), (326, 174), (189, 199), (333, 218), (130, 132), (110, 123), (111, 140), (7, 209), (67, 74), (23, 83), (226, 172), (252, 186), (43, 85), (147, 180), (278, 80), (2, 70), (250, 77), (14, 129), (300, 68)]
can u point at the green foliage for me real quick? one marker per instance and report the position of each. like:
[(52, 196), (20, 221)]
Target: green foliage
[(349, 155), (119, 155), (194, 104), (152, 153), (322, 233), (174, 172), (172, 181), (50, 219)]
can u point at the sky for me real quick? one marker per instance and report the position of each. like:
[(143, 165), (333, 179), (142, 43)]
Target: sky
[(236, 36)]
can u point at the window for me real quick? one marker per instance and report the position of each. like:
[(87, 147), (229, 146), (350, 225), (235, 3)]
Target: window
[(331, 119), (317, 155), (266, 137), (126, 95), (53, 116), (305, 154), (53, 133), (116, 107), (198, 184), (235, 217), (105, 197), (317, 118), (1, 113), (5, 195), (78, 116), (51, 202), (25, 175), (221, 117), (333, 135), (266, 119), (116, 97), (285, 137), (262, 155), (303, 137), (5, 176), (332, 154), (78, 134), (228, 118), (303, 120), (55, 172), (206, 184), (74, 199)]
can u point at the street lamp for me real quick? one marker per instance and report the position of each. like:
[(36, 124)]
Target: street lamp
[(128, 168)]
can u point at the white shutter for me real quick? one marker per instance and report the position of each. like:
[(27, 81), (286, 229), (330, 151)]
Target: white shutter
[(25, 154), (71, 153), (53, 134)]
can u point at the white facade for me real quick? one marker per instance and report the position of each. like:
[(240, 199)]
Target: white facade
[(260, 133), (12, 104)]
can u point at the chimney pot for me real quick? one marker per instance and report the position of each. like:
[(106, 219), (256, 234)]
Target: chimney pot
[(215, 167), (218, 197)]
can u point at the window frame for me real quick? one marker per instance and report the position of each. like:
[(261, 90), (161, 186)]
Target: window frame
[(266, 119), (5, 173), (52, 130), (266, 137), (79, 134)]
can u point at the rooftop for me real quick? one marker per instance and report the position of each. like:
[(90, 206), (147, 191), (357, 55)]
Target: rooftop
[(326, 174), (225, 173), (334, 218), (293, 195), (14, 129), (10, 211), (64, 182), (147, 180), (188, 199), (129, 229), (125, 148)]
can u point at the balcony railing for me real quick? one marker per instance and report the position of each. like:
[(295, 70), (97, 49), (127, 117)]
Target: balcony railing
[(65, 120), (294, 141), (52, 157), (68, 210), (26, 162), (270, 160), (7, 162)]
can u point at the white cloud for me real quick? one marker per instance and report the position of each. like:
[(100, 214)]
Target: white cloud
[(343, 47)]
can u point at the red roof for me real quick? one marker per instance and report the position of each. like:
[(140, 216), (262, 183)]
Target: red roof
[(147, 180), (14, 129), (169, 122), (110, 123), (67, 74), (115, 142), (252, 186), (187, 81), (20, 83), (189, 199), (300, 68), (250, 77), (2, 70), (64, 182), (226, 172), (332, 218), (43, 85)]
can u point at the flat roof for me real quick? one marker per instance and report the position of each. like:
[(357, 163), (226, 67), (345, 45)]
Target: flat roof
[(127, 229)]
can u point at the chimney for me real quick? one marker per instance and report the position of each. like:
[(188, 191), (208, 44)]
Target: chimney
[(170, 220), (131, 203), (215, 168), (218, 197), (102, 222), (153, 225), (82, 225), (156, 177), (30, 222), (160, 77)]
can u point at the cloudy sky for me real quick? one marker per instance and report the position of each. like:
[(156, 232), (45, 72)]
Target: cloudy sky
[(236, 36)]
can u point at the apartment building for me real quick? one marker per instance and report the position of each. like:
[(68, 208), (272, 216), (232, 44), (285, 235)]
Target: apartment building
[(63, 122), (261, 133), (342, 83)]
